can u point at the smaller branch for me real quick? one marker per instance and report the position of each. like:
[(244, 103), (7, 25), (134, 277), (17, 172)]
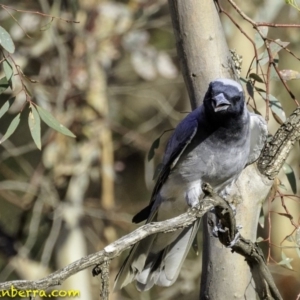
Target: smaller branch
[(105, 281), (103, 270), (276, 151), (5, 8), (285, 85), (284, 48), (221, 10), (271, 62), (288, 214), (36, 13), (241, 13), (258, 24)]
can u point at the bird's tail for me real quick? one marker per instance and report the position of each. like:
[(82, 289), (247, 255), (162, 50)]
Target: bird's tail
[(157, 259)]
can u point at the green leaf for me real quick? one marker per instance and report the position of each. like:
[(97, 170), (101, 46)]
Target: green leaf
[(282, 186), (46, 26), (289, 239), (256, 77), (275, 106), (34, 123), (52, 122), (154, 146), (27, 90), (11, 128), (274, 49), (273, 74), (4, 84), (259, 89), (290, 174), (279, 45), (8, 70), (258, 39), (244, 80), (286, 261), (249, 87), (5, 107), (6, 41)]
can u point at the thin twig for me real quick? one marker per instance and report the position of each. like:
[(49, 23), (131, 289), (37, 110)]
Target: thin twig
[(37, 13), (5, 8), (256, 26)]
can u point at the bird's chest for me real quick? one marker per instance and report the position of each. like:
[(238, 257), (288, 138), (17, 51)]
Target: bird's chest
[(216, 160)]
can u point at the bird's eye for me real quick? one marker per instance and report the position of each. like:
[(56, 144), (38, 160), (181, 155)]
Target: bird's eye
[(236, 98)]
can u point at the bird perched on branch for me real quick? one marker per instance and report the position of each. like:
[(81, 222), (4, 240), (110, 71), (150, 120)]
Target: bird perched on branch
[(212, 144)]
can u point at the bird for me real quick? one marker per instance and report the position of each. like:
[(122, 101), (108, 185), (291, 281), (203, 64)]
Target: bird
[(212, 144)]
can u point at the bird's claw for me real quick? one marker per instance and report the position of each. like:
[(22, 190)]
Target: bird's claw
[(218, 228), (233, 242)]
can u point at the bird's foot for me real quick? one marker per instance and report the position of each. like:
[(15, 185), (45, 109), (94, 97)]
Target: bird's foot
[(236, 237), (218, 228), (233, 242)]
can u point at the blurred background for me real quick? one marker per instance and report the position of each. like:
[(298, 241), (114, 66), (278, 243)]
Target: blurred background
[(114, 80)]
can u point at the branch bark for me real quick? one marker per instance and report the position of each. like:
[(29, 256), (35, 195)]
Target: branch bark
[(276, 151)]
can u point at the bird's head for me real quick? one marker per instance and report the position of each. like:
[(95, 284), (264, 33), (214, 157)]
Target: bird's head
[(224, 99)]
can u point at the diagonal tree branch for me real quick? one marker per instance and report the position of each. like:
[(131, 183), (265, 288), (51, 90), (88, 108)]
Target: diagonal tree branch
[(111, 251)]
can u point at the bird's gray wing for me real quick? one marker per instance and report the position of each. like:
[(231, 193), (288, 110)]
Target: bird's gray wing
[(258, 136), (136, 260), (180, 139)]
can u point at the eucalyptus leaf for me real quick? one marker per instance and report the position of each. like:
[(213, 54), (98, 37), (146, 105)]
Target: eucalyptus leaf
[(273, 74), (286, 261), (34, 123), (52, 122), (290, 174), (11, 128), (274, 49), (4, 84), (249, 87), (154, 146), (5, 107), (256, 77), (6, 41), (46, 26), (275, 106), (257, 37), (8, 70)]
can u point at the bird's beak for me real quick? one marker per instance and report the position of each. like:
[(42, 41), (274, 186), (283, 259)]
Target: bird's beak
[(220, 103)]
